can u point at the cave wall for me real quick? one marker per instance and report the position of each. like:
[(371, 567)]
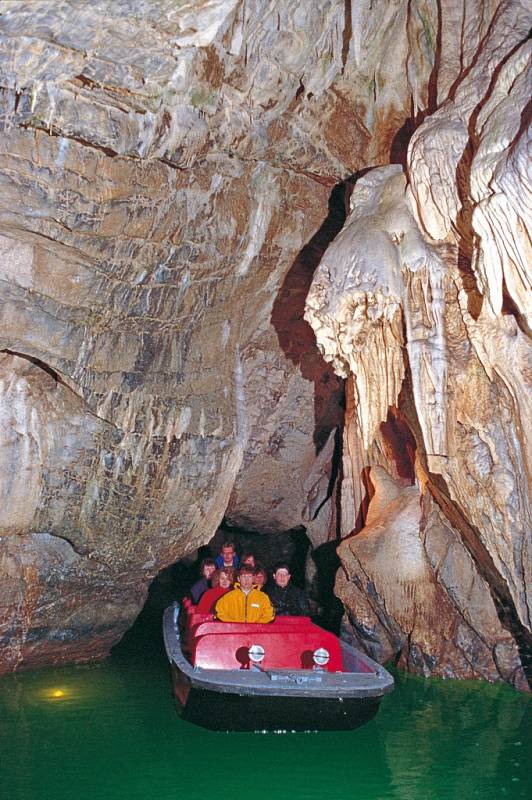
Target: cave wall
[(166, 176), (423, 299)]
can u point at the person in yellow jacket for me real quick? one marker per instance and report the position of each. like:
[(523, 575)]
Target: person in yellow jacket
[(244, 603)]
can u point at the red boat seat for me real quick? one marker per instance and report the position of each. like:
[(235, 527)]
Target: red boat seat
[(286, 646), (208, 625), (196, 619), (192, 623)]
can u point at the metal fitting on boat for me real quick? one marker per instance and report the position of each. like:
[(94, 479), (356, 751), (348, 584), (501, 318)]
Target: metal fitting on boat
[(321, 657), (256, 653)]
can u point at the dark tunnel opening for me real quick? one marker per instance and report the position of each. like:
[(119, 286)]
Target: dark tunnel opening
[(311, 570)]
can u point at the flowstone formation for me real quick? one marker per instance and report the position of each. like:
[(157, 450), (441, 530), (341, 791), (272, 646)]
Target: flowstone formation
[(423, 300), (167, 174)]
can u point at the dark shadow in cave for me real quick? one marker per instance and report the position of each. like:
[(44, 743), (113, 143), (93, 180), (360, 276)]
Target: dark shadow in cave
[(399, 443), (330, 608), (144, 641), (509, 307), (399, 146), (37, 363), (296, 337), (399, 447), (360, 519)]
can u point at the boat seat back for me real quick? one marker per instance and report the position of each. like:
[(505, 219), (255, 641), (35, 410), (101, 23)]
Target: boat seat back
[(213, 626), (192, 622), (284, 647), (196, 619)]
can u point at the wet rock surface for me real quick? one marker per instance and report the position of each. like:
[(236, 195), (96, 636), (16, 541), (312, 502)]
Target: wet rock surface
[(413, 592)]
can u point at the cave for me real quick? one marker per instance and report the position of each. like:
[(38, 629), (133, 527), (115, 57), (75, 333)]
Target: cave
[(265, 272)]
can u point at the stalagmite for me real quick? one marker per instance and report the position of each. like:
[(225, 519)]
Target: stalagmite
[(413, 590)]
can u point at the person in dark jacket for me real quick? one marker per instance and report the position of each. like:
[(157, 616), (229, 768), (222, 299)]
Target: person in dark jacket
[(287, 599), (207, 568)]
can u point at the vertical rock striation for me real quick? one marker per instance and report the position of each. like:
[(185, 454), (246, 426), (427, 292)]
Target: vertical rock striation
[(423, 299), (165, 173)]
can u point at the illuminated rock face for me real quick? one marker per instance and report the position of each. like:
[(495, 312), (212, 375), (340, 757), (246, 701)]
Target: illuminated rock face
[(411, 589), (424, 300), (166, 172)]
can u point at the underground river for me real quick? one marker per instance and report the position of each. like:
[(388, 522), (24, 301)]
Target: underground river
[(110, 731)]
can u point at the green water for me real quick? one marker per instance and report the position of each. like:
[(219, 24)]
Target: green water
[(114, 733)]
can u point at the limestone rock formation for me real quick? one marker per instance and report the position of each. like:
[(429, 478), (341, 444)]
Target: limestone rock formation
[(412, 588), (171, 174), (166, 170), (423, 299)]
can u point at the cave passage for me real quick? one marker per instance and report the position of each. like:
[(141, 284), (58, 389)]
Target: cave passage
[(313, 571)]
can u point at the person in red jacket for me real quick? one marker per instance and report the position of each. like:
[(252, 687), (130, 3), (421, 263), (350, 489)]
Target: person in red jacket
[(222, 581)]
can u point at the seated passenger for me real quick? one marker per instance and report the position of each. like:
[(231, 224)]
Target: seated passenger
[(248, 558), (207, 568), (227, 556), (260, 576), (287, 599), (244, 603), (221, 582)]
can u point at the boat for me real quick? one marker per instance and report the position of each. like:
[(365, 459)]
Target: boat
[(286, 675)]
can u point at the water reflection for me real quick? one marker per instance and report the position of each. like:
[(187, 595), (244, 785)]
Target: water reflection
[(114, 734), (457, 740)]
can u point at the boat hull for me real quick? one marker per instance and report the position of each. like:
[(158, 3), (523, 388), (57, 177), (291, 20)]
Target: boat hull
[(247, 712), (275, 699)]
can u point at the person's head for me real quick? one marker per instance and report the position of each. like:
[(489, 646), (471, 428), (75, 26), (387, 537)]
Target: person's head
[(227, 552), (260, 576), (207, 568), (245, 577), (248, 558), (225, 577), (281, 575)]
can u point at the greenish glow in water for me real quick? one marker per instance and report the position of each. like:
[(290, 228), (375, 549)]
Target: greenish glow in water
[(113, 734)]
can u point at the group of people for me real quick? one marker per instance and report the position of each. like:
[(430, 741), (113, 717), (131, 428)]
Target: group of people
[(238, 590)]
